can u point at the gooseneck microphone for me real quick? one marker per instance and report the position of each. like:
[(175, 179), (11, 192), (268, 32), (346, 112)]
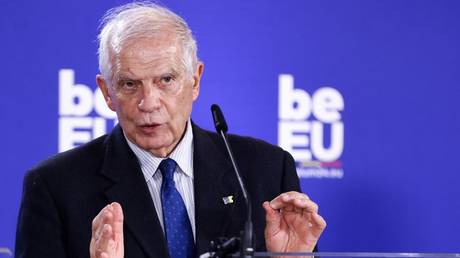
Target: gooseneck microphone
[(247, 238)]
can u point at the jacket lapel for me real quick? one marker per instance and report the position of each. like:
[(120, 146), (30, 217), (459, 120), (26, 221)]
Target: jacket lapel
[(214, 181), (131, 191)]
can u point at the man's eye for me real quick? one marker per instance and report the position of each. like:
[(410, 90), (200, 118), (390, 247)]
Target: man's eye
[(167, 79), (128, 84)]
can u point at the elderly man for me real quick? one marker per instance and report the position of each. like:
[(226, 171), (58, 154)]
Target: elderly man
[(158, 185)]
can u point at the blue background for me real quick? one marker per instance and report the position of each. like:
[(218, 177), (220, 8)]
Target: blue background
[(396, 63)]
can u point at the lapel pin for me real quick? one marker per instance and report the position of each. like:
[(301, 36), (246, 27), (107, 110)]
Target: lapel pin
[(228, 199)]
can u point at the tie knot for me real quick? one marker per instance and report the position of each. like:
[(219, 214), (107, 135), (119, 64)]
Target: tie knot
[(167, 168)]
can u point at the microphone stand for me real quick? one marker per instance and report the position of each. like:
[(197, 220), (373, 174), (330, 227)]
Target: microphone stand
[(224, 247)]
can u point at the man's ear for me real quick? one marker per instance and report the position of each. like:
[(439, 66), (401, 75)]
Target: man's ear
[(103, 85), (196, 80)]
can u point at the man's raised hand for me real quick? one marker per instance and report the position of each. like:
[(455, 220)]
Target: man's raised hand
[(292, 223), (107, 233)]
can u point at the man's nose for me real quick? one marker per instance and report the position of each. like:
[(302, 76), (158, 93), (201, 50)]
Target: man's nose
[(150, 99)]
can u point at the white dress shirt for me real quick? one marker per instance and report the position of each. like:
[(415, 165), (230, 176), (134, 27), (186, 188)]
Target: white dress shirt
[(183, 176)]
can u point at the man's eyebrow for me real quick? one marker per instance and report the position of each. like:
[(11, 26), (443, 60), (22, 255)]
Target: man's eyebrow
[(173, 71), (123, 78), (126, 77), (131, 77)]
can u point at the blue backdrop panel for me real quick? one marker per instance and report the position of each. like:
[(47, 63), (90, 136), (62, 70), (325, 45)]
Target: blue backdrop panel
[(394, 66)]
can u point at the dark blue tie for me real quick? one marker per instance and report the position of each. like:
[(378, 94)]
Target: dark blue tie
[(178, 229)]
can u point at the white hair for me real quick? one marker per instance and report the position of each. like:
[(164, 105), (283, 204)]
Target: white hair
[(141, 20)]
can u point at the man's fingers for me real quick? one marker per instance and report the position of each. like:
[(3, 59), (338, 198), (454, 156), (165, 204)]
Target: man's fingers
[(117, 222), (318, 221), (269, 212), (309, 205), (102, 242), (105, 220), (107, 232), (272, 218), (293, 200), (286, 197), (112, 249), (117, 211), (102, 218)]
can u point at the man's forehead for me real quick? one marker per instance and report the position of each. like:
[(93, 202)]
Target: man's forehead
[(149, 53), (149, 49)]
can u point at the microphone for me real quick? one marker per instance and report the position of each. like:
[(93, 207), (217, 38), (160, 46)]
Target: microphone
[(219, 120), (247, 241)]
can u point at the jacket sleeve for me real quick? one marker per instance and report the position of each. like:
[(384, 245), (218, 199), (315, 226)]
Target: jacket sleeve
[(290, 180), (39, 229)]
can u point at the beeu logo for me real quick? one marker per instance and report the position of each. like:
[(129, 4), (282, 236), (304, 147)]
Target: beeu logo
[(83, 113), (303, 120)]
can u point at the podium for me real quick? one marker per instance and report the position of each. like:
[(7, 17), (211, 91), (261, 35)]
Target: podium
[(356, 255), (6, 253)]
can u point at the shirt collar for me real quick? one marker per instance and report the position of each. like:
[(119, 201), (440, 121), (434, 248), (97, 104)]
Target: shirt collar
[(182, 154)]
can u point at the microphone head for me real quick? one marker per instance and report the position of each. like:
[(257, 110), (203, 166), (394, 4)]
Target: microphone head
[(219, 120)]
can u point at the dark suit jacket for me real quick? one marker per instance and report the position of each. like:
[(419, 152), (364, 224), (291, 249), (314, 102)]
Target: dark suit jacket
[(62, 195)]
